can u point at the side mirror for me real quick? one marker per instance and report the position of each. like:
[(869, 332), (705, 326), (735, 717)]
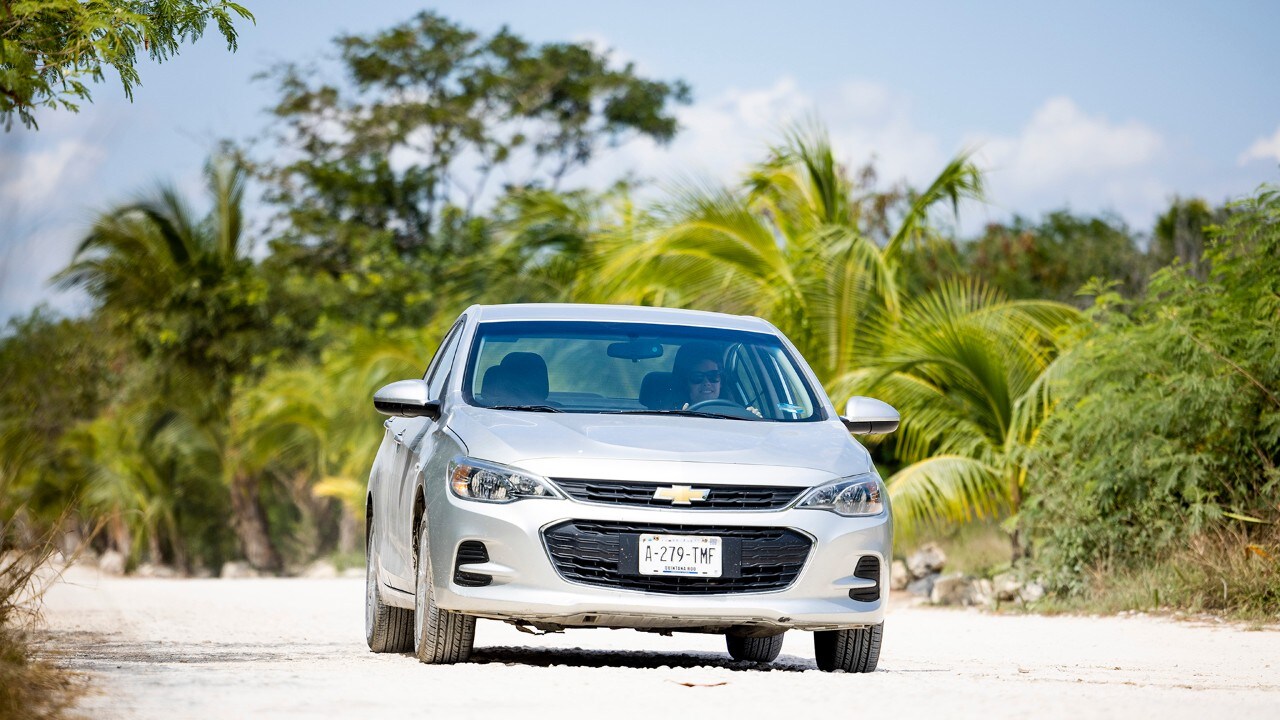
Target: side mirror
[(406, 398), (868, 416)]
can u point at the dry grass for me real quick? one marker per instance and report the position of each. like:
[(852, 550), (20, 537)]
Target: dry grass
[(29, 687), (1227, 573)]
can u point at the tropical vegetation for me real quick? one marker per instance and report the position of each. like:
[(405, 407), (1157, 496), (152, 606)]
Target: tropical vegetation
[(213, 405), (51, 50)]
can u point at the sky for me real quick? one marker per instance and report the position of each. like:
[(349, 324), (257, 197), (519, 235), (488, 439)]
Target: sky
[(1095, 107)]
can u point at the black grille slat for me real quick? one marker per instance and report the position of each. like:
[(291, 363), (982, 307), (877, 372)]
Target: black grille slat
[(868, 568), (719, 497), (595, 552), (471, 551)]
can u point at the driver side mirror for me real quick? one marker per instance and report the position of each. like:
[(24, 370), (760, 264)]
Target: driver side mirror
[(406, 398), (868, 416)]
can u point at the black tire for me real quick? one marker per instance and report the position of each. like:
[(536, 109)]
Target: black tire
[(855, 650), (755, 649), (440, 636), (387, 629)]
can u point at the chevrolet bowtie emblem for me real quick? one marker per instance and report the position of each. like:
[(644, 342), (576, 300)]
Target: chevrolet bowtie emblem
[(680, 494)]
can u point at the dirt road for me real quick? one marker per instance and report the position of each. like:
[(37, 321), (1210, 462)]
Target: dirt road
[(295, 648)]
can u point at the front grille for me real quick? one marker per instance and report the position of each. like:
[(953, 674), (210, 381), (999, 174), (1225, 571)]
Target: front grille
[(469, 552), (601, 553), (719, 497), (868, 569)]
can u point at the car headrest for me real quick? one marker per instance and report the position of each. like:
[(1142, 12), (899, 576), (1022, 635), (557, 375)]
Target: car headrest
[(497, 387), (528, 376), (658, 391)]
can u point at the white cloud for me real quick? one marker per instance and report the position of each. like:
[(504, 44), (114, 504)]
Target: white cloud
[(1066, 157), (43, 172), (1264, 148), (1062, 144), (721, 136)]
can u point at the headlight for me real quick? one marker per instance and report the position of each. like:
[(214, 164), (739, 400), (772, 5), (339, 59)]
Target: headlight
[(490, 482), (851, 496)]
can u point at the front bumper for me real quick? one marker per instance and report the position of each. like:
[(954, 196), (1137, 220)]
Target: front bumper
[(526, 586)]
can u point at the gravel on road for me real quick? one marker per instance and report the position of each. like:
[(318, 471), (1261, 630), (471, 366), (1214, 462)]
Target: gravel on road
[(285, 648)]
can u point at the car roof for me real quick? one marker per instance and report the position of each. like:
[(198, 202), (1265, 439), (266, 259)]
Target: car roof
[(617, 313)]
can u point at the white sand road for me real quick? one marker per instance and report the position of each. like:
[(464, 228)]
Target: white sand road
[(295, 648)]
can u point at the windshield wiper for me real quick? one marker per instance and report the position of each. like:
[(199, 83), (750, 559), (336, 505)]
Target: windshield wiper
[(528, 408), (682, 413)]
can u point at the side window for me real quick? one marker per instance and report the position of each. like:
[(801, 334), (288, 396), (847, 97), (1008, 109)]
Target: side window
[(443, 362)]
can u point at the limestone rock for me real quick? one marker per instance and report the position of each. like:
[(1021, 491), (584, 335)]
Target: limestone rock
[(899, 576), (111, 563), (235, 569), (926, 561), (320, 569), (149, 570), (1007, 587), (923, 586), (951, 589), (1032, 591)]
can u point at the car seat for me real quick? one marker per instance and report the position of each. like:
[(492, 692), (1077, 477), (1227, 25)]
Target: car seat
[(658, 391), (527, 375)]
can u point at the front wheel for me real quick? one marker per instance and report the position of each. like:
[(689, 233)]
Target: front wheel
[(755, 649), (386, 628), (856, 650), (439, 636)]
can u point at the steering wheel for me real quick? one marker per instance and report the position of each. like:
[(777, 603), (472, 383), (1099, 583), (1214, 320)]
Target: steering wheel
[(726, 407)]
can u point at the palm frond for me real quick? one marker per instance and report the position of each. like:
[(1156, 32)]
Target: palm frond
[(945, 489)]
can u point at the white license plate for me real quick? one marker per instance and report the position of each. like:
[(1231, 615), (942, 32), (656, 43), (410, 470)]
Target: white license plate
[(692, 555)]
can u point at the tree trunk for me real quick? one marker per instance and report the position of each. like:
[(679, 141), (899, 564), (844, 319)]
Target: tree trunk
[(250, 523), (350, 539), (1018, 551)]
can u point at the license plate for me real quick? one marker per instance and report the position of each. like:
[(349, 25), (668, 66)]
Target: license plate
[(691, 555)]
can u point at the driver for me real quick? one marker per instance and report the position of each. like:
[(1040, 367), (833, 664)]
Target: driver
[(697, 370), (703, 382)]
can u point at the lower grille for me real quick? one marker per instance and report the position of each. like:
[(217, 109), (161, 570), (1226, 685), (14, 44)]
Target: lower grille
[(471, 551), (868, 569), (718, 497), (604, 554)]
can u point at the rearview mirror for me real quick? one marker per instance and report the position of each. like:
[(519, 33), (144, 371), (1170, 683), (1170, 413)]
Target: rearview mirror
[(868, 416), (406, 398), (636, 350)]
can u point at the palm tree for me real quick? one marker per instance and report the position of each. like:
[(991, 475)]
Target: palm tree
[(183, 289), (791, 248), (971, 373), (315, 424), (795, 247)]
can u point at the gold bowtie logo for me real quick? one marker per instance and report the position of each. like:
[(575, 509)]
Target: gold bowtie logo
[(680, 494)]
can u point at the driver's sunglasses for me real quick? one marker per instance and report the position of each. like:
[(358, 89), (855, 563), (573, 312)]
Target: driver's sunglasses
[(711, 376)]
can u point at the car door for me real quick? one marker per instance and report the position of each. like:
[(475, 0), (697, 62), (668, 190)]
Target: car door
[(413, 445)]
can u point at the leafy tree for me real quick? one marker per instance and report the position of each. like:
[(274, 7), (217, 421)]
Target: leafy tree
[(790, 248), (183, 290), (1182, 233), (388, 168), (314, 425), (51, 49), (1054, 258), (1169, 420), (971, 372), (796, 248), (54, 372)]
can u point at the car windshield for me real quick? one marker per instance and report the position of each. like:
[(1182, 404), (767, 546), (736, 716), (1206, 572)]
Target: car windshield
[(611, 367)]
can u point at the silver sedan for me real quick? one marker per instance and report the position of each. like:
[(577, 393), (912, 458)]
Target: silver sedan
[(586, 466)]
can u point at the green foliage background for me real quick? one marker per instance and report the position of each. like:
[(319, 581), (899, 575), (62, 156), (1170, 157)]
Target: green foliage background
[(214, 406), (1169, 417)]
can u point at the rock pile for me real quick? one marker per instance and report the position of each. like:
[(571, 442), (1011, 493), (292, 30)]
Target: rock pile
[(922, 575)]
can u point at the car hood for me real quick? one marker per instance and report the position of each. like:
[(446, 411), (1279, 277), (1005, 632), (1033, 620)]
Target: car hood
[(584, 444)]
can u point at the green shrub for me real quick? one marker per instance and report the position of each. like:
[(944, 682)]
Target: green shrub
[(1168, 421)]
